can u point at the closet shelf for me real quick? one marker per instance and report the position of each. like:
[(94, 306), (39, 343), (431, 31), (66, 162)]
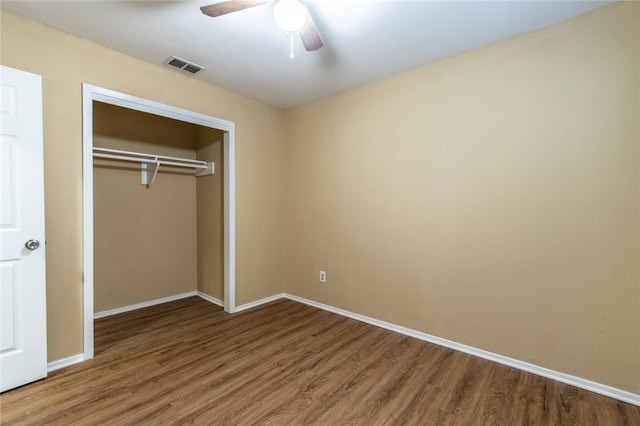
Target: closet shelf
[(150, 163)]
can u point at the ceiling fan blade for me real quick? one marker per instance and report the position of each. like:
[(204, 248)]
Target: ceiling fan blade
[(310, 36), (230, 6)]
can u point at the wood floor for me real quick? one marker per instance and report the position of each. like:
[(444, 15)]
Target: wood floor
[(188, 362)]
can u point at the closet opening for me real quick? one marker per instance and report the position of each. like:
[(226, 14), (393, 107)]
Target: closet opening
[(158, 206)]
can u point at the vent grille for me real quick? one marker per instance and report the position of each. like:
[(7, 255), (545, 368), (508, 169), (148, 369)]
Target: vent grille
[(183, 64)]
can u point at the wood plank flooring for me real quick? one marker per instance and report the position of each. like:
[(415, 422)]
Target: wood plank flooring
[(285, 363)]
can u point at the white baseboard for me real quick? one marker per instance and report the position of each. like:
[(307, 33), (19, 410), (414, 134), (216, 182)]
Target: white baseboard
[(211, 299), (65, 362), (589, 385), (579, 382), (260, 302), (123, 309)]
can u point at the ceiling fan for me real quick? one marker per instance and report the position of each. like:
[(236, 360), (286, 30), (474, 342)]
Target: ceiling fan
[(290, 15)]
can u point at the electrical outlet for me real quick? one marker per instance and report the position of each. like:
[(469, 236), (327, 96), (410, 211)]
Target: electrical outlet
[(323, 276)]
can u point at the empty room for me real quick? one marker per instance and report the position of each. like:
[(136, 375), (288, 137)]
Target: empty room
[(320, 212)]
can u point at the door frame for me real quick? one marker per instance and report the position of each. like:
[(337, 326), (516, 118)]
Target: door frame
[(92, 93)]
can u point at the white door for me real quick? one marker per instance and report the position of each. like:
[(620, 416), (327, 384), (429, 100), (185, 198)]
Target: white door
[(23, 326)]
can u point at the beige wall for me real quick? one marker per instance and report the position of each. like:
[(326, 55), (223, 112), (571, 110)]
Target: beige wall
[(492, 199), (145, 237), (65, 62), (210, 214)]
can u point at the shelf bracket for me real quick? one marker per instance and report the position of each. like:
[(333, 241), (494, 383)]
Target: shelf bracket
[(149, 171), (208, 171)]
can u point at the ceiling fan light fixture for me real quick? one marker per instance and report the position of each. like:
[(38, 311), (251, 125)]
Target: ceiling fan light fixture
[(289, 15)]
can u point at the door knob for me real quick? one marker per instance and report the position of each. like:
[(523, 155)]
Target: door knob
[(32, 244)]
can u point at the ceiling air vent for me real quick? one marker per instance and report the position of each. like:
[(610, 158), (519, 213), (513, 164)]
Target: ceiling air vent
[(183, 65)]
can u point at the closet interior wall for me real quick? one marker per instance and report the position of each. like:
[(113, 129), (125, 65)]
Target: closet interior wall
[(210, 214), (160, 240)]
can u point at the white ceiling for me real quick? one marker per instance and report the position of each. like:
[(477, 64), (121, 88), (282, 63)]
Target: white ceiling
[(245, 52)]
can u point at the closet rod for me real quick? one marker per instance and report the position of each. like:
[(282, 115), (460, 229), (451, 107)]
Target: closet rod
[(149, 173), (140, 157), (149, 160)]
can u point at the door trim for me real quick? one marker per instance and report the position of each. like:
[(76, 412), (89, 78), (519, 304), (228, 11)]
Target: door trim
[(92, 93)]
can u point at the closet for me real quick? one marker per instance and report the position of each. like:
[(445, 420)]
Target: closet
[(158, 231)]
